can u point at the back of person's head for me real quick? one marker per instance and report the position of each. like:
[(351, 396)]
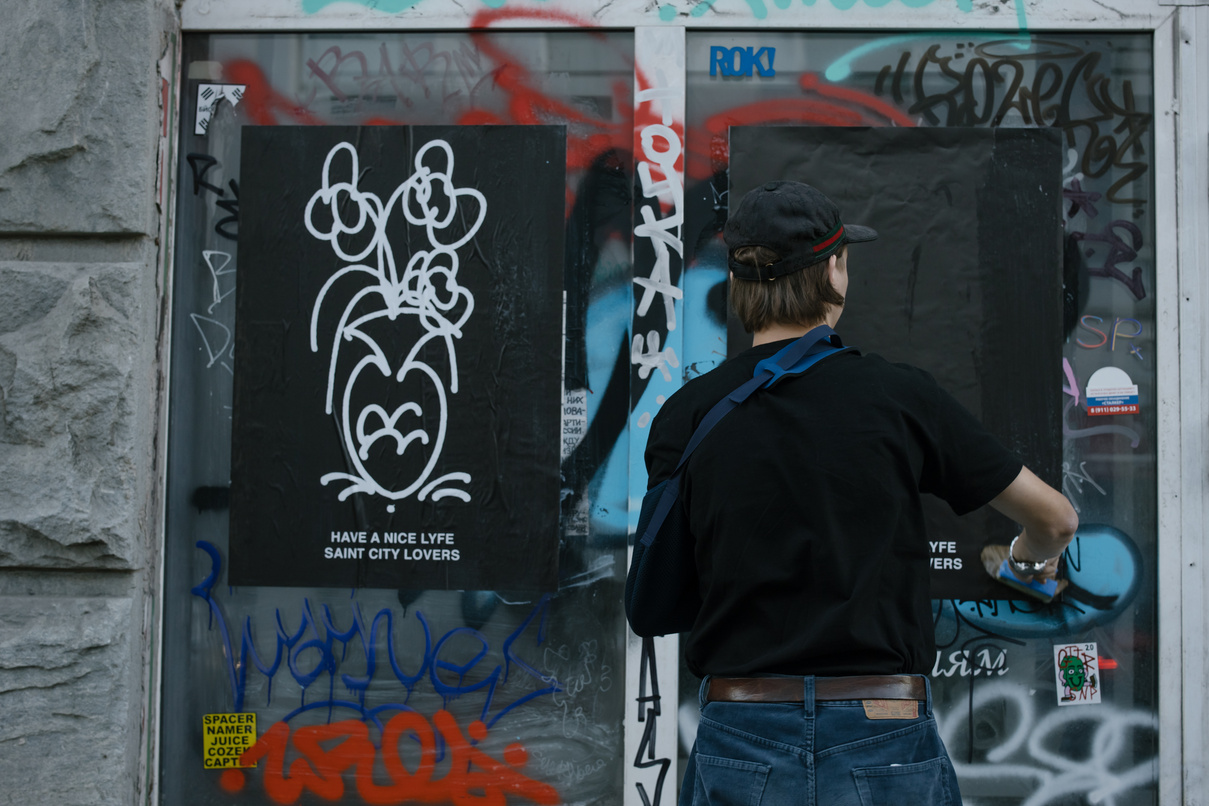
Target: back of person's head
[(780, 239), (797, 298)]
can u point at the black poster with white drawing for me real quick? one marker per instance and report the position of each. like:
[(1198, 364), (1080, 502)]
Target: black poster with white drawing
[(965, 281), (398, 357)]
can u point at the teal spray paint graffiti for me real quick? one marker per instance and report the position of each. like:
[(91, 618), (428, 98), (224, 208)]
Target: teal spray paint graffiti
[(760, 11), (841, 68), (667, 12)]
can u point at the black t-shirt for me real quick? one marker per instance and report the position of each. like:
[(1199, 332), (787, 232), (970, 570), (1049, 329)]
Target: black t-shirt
[(812, 552)]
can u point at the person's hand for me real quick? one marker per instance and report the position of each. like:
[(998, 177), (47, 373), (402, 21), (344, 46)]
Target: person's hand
[(1049, 572), (1022, 551)]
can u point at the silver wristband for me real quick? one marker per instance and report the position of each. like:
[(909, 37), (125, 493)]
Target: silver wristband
[(1023, 567)]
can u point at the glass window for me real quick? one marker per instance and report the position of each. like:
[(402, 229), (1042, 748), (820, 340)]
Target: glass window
[(1015, 714), (367, 694)]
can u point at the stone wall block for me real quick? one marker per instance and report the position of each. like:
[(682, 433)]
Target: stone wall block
[(67, 678), (76, 381), (80, 98)]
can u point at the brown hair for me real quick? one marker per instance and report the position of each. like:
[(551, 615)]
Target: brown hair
[(800, 298)]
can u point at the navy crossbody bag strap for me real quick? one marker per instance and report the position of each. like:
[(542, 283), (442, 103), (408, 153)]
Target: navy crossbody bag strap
[(797, 357)]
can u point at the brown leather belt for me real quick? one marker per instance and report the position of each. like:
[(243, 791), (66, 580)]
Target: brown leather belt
[(791, 689)]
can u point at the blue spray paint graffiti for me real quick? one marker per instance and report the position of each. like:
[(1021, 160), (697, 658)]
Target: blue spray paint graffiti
[(290, 647), (1105, 570)]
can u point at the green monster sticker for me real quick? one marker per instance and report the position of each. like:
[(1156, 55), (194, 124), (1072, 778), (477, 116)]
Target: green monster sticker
[(1077, 669), (1074, 675)]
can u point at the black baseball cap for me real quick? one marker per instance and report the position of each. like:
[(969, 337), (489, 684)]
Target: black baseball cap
[(794, 220)]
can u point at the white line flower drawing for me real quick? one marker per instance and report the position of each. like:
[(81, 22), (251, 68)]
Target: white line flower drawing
[(427, 289)]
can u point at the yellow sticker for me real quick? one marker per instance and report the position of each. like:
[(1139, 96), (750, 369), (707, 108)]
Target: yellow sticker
[(891, 709), (225, 737)]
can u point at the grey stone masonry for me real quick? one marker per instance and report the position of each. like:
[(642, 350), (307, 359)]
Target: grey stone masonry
[(73, 365), (80, 104), (81, 316), (66, 689)]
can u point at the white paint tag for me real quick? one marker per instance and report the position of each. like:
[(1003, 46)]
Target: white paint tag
[(1077, 672)]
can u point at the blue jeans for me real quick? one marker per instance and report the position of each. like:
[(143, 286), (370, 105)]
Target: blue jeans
[(816, 754)]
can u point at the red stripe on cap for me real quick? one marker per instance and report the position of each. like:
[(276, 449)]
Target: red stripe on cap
[(838, 234)]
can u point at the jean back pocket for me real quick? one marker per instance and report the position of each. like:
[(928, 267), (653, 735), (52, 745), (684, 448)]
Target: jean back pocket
[(729, 782), (928, 783)]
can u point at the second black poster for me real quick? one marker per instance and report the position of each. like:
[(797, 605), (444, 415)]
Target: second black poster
[(964, 281)]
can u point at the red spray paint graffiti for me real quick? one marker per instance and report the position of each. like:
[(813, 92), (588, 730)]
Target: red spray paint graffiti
[(820, 105), (587, 136), (472, 776), (262, 102)]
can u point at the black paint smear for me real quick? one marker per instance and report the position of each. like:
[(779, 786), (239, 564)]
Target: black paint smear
[(207, 499), (602, 212), (912, 276), (1074, 283)]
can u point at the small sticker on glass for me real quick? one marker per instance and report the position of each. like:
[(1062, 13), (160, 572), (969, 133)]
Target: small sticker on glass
[(1077, 667), (224, 739)]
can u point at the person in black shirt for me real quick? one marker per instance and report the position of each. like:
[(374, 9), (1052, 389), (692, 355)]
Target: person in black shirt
[(815, 633)]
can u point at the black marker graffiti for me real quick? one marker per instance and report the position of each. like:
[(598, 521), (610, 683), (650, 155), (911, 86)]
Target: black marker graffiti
[(649, 710), (1119, 251), (231, 205), (200, 165), (461, 74), (992, 85)]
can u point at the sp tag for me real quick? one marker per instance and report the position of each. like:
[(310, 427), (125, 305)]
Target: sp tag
[(891, 709)]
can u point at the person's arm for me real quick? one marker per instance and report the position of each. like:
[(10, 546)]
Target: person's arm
[(1048, 519)]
